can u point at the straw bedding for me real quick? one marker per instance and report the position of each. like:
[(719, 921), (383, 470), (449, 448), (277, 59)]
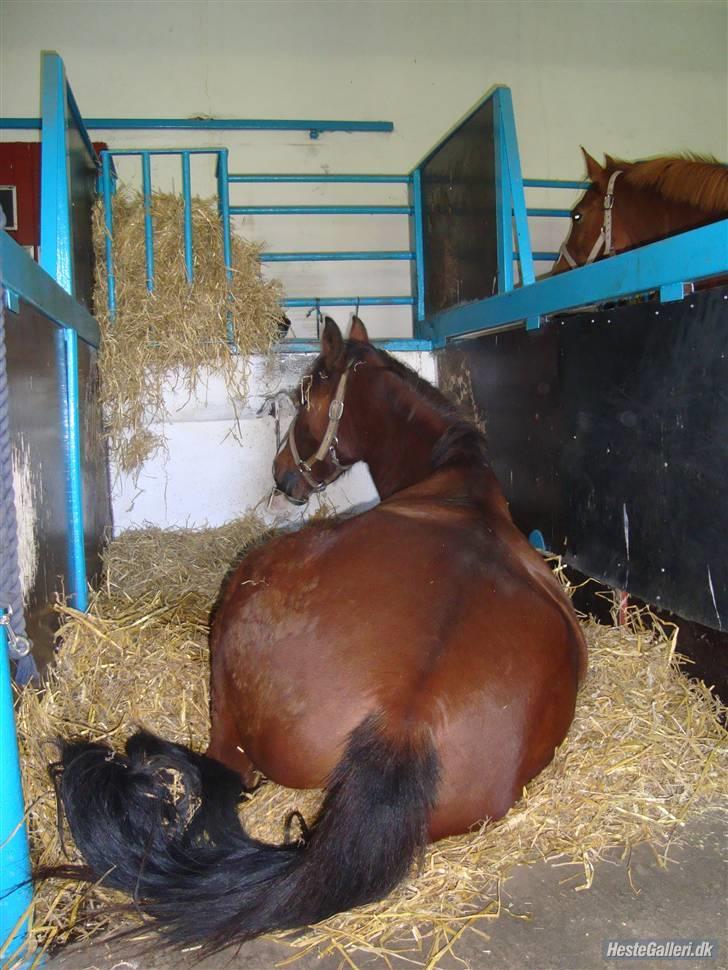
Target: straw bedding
[(179, 329), (646, 749)]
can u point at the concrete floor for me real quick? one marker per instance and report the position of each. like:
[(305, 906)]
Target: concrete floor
[(564, 931)]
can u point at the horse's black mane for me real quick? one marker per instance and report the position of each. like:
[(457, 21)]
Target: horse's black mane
[(462, 441)]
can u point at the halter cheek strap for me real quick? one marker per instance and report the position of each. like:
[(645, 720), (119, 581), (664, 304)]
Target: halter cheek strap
[(327, 448), (605, 233)]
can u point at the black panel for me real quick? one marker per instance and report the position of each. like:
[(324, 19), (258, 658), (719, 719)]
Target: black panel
[(35, 373), (609, 432), (83, 193), (458, 193)]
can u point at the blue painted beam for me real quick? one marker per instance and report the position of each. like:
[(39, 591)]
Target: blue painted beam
[(554, 184), (293, 345), (333, 257), (417, 233), (352, 301), (550, 213), (210, 124), (159, 151), (693, 255), (320, 210), (23, 276), (325, 178)]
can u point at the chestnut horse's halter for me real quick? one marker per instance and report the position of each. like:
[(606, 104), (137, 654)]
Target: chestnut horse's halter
[(605, 233), (327, 448)]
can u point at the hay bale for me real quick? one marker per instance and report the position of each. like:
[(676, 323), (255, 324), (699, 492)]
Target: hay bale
[(645, 751), (176, 332)]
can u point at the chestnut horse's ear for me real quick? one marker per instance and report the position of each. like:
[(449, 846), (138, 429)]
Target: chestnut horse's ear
[(593, 169), (332, 343), (358, 331)]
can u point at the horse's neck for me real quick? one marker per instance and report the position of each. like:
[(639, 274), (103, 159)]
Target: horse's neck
[(647, 216), (400, 434)]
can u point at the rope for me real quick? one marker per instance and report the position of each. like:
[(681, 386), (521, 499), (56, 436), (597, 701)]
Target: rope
[(11, 594)]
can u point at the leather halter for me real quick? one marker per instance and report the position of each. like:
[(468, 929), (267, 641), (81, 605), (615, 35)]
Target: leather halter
[(327, 448), (605, 233)]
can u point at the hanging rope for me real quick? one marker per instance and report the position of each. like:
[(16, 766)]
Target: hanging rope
[(11, 594)]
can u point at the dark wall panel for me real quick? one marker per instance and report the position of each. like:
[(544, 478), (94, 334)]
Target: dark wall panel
[(609, 433), (458, 190)]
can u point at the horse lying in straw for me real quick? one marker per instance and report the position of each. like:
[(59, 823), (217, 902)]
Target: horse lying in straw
[(418, 660)]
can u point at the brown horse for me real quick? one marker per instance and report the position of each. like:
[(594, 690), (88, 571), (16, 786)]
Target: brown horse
[(629, 204), (418, 660)]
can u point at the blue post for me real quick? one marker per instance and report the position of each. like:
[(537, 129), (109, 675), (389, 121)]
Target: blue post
[(57, 260), (419, 240), (106, 189), (16, 890), (223, 195), (503, 205), (187, 195), (76, 552), (148, 233)]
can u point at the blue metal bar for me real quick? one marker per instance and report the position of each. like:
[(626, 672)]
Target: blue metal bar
[(320, 210), (76, 551), (294, 345), (698, 254), (503, 207), (542, 257), (209, 124), (312, 301), (335, 257), (672, 291), (107, 192), (417, 231), (384, 179), (515, 176), (16, 890), (56, 249), (148, 233), (24, 276), (554, 184), (187, 195), (223, 195), (160, 151), (550, 213)]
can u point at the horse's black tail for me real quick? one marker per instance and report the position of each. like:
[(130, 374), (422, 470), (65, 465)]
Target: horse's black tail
[(188, 862)]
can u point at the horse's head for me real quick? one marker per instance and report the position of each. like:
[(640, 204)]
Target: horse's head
[(320, 444), (597, 226)]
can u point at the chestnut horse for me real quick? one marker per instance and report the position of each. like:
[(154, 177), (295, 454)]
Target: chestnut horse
[(419, 661), (629, 204)]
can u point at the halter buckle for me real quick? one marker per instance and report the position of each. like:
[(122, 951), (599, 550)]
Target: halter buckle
[(336, 410), (609, 200)]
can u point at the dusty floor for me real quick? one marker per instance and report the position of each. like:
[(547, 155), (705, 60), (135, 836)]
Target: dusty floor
[(563, 930)]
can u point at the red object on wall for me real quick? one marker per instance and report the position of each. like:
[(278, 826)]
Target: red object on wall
[(20, 167)]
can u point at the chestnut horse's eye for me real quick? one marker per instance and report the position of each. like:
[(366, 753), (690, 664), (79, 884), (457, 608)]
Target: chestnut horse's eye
[(576, 216), (323, 375)]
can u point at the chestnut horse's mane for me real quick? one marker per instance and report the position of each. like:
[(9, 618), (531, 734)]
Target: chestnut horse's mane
[(690, 179)]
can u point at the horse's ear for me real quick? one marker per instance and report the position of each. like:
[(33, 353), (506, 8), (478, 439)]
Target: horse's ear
[(332, 343), (593, 169), (358, 331), (609, 162)]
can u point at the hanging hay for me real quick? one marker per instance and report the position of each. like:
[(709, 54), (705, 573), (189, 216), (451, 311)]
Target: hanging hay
[(645, 751), (179, 331)]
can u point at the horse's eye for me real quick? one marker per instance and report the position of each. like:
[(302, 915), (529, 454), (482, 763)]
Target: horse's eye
[(576, 216), (323, 375)]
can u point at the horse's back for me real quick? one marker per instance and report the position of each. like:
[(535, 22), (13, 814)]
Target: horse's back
[(434, 616)]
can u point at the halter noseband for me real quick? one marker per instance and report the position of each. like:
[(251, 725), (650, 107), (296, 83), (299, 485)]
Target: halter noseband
[(327, 448), (605, 233)]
